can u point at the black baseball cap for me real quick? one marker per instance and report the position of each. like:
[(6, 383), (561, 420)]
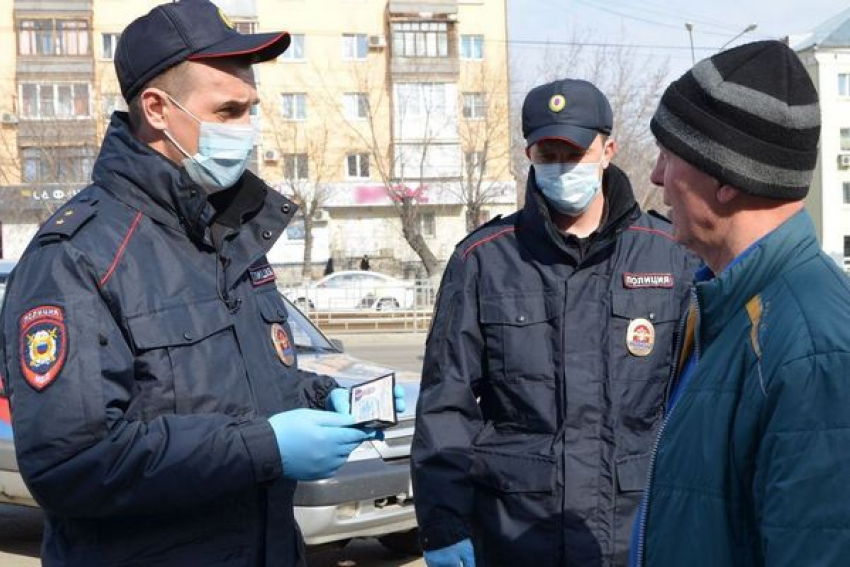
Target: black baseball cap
[(185, 30), (571, 110)]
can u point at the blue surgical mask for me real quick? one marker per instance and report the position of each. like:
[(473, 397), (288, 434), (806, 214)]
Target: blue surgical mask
[(223, 152), (569, 187)]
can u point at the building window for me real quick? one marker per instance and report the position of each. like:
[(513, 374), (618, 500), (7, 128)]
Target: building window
[(846, 249), (295, 167), (420, 39), (54, 164), (844, 84), (474, 106), (110, 41), (845, 139), (245, 27), (53, 37), (55, 101), (846, 187), (354, 46), (295, 51), (293, 106), (357, 166), (355, 106), (472, 47), (427, 224), (421, 99)]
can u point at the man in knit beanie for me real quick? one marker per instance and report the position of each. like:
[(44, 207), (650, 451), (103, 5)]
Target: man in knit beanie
[(753, 453)]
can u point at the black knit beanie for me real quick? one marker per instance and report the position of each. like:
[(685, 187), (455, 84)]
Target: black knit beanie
[(748, 116)]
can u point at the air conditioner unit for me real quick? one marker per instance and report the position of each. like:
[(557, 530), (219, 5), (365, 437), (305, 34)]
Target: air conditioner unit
[(8, 118), (271, 155), (844, 160), (377, 41), (322, 215)]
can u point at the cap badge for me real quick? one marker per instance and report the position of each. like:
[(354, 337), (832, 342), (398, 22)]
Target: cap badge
[(640, 337), (557, 103), (225, 19)]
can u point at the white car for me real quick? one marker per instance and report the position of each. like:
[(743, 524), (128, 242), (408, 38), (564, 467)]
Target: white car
[(347, 290)]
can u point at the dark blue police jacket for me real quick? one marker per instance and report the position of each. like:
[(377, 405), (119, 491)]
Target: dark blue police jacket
[(542, 384), (142, 365)]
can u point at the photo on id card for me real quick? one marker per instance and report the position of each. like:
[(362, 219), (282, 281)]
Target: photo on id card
[(373, 403)]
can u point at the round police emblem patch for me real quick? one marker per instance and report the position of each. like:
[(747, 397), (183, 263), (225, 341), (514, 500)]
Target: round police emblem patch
[(640, 337), (282, 345), (44, 345), (557, 103)]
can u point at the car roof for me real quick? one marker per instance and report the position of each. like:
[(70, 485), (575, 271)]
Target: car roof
[(7, 266)]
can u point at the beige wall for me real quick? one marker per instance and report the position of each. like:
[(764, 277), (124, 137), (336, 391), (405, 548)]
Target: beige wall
[(9, 159)]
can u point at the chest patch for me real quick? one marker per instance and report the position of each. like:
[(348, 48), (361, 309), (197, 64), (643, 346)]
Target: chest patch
[(640, 337), (44, 345), (261, 274), (640, 281), (282, 344)]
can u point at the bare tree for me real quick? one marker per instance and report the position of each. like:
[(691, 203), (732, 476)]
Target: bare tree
[(632, 86), (485, 145), (404, 172), (304, 181)]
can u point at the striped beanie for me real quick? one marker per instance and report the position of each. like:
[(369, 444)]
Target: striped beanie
[(749, 117)]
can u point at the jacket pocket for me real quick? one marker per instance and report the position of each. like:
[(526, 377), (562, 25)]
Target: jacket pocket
[(631, 472), (188, 352), (517, 499), (519, 331)]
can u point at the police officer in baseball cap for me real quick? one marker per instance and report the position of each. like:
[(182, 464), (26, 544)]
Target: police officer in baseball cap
[(544, 371), (160, 416)]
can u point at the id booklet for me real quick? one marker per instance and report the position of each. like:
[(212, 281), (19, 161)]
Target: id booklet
[(373, 403)]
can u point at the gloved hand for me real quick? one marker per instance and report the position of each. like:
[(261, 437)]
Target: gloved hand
[(313, 444), (456, 555), (338, 400)]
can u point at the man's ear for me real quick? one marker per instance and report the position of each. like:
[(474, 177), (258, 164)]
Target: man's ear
[(726, 194), (154, 108), (609, 150)]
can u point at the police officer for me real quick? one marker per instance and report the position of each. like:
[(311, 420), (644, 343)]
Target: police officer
[(548, 357), (159, 415)]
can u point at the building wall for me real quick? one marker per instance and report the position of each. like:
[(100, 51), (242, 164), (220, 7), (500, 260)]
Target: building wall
[(825, 199)]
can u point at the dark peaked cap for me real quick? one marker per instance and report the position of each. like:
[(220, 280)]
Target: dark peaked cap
[(749, 117)]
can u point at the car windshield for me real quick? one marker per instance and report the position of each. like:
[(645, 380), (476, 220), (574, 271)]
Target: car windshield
[(306, 336)]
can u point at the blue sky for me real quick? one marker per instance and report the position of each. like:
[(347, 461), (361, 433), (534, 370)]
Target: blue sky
[(656, 28)]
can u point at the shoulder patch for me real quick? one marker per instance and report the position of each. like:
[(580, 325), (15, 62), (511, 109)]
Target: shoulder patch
[(67, 221), (44, 345)]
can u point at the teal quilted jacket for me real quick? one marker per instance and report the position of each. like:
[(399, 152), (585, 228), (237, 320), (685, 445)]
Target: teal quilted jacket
[(752, 465)]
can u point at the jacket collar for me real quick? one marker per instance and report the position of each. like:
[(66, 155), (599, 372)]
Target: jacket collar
[(726, 295), (147, 181), (623, 210)]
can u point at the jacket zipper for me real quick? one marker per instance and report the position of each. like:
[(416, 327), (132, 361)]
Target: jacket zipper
[(674, 376)]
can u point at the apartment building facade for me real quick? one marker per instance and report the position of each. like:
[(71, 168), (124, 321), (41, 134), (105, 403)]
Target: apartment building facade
[(826, 53), (384, 119)]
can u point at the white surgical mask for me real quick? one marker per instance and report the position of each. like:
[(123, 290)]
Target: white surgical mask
[(569, 187), (223, 152)]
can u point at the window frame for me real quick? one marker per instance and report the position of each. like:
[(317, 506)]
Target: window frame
[(299, 111), (299, 160), (297, 45), (54, 99), (55, 37), (474, 106), (466, 51), (421, 39), (352, 40), (844, 85), (360, 158), (113, 39)]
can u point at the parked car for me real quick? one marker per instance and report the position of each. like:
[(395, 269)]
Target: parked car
[(371, 495), (353, 290)]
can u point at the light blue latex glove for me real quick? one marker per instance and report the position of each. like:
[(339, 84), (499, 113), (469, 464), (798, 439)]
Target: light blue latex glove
[(313, 444), (456, 555), (338, 400)]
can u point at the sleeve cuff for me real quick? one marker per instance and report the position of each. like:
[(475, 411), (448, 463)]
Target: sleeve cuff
[(443, 534), (262, 448), (321, 387)]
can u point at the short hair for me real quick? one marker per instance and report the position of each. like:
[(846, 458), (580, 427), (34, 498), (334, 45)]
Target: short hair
[(173, 81)]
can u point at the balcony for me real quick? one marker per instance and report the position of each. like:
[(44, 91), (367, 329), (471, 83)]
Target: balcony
[(425, 68), (420, 7)]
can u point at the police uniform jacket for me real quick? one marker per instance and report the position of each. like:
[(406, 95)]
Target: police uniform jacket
[(542, 384), (142, 363)]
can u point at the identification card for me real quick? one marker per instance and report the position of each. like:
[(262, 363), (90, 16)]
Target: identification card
[(373, 403)]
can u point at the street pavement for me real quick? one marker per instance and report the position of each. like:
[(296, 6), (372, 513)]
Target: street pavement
[(21, 528)]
